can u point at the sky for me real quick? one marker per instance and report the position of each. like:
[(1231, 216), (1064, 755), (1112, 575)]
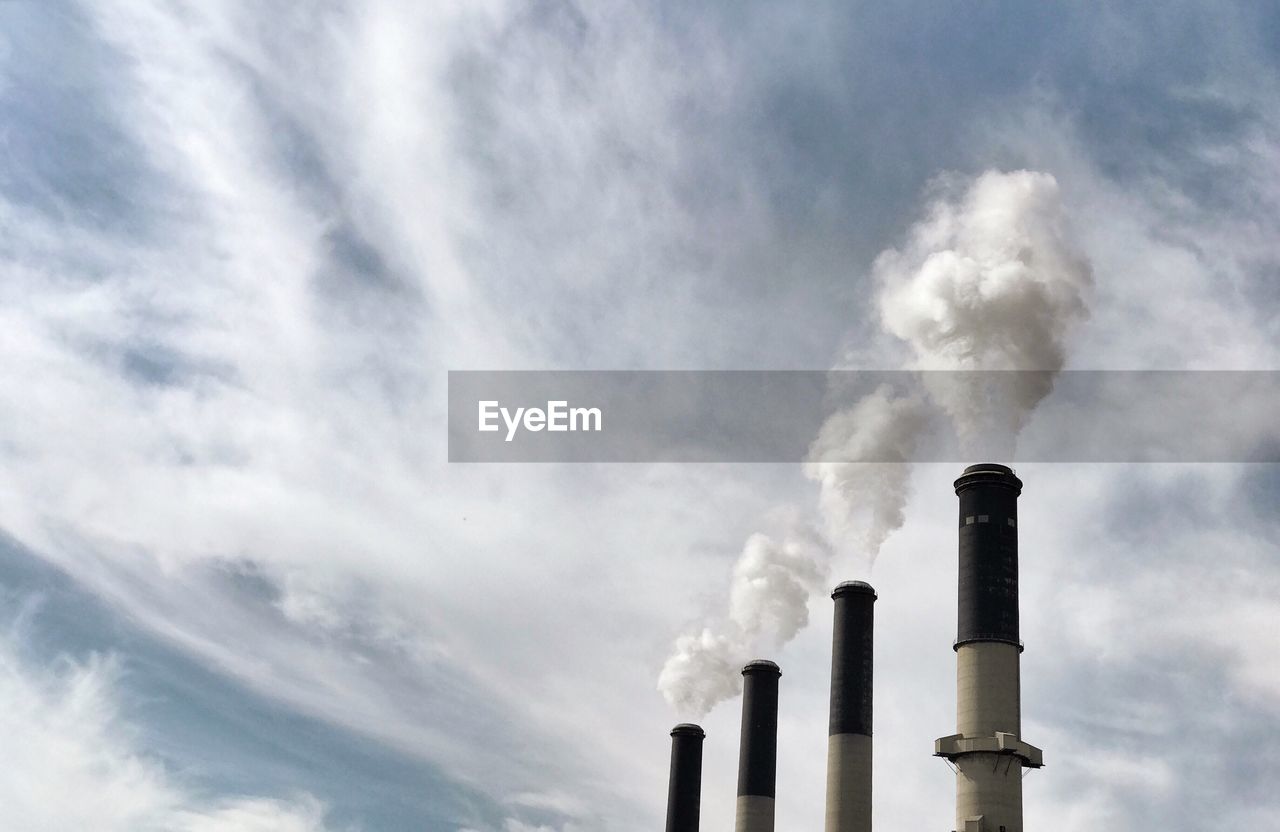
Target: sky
[(241, 588)]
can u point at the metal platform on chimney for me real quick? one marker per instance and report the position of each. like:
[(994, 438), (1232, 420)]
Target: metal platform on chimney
[(957, 745)]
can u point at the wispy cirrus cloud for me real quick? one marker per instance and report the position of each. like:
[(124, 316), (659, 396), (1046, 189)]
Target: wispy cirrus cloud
[(76, 762)]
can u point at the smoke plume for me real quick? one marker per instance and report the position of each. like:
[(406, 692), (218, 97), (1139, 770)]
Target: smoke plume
[(988, 280), (862, 502), (768, 605)]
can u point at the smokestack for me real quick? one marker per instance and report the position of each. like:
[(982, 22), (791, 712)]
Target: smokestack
[(849, 736), (758, 754), (987, 751), (684, 794)]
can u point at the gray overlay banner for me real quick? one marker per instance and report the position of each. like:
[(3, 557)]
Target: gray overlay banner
[(870, 416)]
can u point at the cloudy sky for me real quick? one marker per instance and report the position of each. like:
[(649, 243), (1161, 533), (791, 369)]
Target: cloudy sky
[(243, 243)]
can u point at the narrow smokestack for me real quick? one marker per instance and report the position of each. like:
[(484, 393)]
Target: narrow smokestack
[(849, 736), (684, 794), (758, 754), (987, 750)]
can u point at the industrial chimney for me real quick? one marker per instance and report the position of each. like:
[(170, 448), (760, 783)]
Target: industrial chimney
[(987, 751), (684, 794), (849, 734), (758, 753)]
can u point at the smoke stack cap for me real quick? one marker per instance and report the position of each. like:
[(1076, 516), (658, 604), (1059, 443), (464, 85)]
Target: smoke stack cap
[(688, 729), (761, 666), (851, 587), (989, 473)]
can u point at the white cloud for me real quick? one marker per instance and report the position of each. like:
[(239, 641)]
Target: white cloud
[(72, 762)]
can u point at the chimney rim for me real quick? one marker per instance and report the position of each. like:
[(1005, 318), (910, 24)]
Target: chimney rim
[(761, 666), (854, 588), (989, 473), (688, 729)]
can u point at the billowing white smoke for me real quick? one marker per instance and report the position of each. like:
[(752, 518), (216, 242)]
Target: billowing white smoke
[(768, 605), (862, 502), (989, 280)]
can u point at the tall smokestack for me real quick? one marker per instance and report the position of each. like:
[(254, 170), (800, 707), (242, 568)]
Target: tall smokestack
[(684, 794), (758, 754), (849, 736), (987, 750)]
